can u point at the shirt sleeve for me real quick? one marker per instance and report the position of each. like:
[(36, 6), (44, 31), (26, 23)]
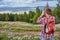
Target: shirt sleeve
[(41, 20), (52, 18)]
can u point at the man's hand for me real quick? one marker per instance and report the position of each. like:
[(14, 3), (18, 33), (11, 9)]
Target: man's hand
[(42, 14)]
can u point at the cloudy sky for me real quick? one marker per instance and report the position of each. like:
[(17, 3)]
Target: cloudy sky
[(27, 3)]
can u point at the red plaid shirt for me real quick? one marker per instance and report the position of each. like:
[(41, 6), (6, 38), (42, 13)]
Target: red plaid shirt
[(50, 21)]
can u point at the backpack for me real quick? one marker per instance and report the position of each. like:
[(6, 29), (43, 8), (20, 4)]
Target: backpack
[(49, 26)]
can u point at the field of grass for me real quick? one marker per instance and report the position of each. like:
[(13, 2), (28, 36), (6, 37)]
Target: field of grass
[(8, 31), (18, 27), (18, 37), (21, 37), (13, 26)]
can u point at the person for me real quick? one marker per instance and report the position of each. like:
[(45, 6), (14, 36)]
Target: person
[(48, 21)]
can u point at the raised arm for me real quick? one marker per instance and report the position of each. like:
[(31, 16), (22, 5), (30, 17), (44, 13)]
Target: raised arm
[(42, 14), (39, 20)]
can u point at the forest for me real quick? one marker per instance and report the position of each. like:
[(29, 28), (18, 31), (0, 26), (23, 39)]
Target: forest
[(30, 17)]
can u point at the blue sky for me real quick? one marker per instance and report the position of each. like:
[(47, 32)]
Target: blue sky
[(27, 3)]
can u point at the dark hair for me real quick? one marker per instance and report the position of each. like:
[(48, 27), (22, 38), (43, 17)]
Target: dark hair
[(48, 10)]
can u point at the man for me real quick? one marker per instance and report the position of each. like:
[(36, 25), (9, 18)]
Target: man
[(48, 21)]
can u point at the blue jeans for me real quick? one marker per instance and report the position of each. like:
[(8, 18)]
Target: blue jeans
[(45, 38), (42, 38)]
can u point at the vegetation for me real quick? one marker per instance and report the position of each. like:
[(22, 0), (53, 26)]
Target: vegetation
[(21, 37), (10, 26), (30, 17), (38, 13), (8, 30), (17, 17)]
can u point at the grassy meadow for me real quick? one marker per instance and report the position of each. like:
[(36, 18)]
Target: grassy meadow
[(22, 31)]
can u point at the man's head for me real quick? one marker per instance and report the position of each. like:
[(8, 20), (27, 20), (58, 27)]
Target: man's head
[(48, 11)]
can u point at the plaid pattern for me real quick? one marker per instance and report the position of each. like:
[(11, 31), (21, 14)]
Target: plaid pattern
[(41, 20), (50, 20), (45, 19)]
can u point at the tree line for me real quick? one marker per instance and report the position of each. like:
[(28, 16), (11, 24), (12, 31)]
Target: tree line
[(26, 17), (30, 17)]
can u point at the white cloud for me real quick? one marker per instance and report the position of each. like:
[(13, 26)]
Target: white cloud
[(54, 3), (18, 5), (3, 5), (7, 0), (23, 1), (28, 3), (44, 3)]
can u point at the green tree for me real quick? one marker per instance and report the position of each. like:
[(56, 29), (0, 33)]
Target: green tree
[(21, 17), (58, 10), (7, 17), (0, 17), (25, 17), (15, 17), (11, 17), (54, 12), (3, 17), (38, 13), (31, 15)]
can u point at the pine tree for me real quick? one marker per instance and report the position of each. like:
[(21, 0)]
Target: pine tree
[(11, 17), (7, 17), (58, 10), (0, 17), (15, 17), (54, 12), (38, 13), (25, 17), (47, 6), (31, 15)]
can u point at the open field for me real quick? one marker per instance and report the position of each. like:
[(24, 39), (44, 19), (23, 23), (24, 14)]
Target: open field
[(22, 31)]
